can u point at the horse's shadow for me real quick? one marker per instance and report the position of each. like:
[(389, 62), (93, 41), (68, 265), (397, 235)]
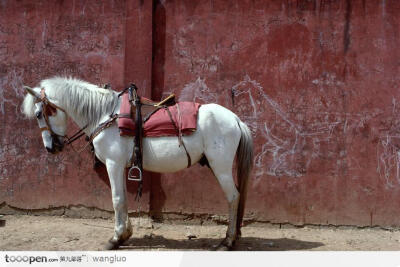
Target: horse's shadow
[(244, 244)]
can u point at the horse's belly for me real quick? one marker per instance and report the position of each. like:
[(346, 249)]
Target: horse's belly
[(163, 165), (164, 154)]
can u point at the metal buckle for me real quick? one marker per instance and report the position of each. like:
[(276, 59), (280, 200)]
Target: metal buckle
[(131, 177)]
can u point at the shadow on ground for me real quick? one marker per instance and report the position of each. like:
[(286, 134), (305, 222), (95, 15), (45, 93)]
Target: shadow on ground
[(244, 244)]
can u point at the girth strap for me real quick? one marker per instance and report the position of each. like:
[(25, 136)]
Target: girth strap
[(178, 130)]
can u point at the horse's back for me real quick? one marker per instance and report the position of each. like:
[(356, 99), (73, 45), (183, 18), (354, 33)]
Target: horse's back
[(216, 117)]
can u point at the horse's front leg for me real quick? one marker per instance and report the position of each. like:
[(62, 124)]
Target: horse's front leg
[(123, 227)]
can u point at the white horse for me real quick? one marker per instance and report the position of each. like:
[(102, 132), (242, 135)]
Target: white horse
[(219, 136)]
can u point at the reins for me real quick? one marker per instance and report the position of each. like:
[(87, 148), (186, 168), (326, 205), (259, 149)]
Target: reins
[(75, 136)]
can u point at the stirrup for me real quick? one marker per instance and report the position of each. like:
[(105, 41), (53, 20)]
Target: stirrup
[(132, 177)]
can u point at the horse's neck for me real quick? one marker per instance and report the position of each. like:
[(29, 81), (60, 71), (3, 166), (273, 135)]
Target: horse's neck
[(83, 122), (80, 121), (92, 119)]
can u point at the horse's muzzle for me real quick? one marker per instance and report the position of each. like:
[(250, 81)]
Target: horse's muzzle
[(56, 145), (51, 150)]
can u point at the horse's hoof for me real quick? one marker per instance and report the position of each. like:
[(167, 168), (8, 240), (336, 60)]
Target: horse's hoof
[(112, 245), (224, 246)]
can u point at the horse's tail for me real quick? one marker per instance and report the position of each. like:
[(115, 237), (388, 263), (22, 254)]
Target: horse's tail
[(244, 164)]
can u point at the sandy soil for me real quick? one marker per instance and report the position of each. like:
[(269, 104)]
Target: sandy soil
[(23, 232)]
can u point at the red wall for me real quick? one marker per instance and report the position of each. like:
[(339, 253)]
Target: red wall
[(316, 81), (40, 39)]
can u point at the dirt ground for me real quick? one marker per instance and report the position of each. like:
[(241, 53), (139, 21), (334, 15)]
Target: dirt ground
[(24, 232)]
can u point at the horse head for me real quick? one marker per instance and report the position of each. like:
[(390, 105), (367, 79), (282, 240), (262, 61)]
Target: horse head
[(51, 118)]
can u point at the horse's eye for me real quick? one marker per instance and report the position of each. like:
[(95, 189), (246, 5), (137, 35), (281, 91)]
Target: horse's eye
[(38, 114)]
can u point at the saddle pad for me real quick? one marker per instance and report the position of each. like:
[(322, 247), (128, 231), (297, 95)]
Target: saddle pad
[(160, 124)]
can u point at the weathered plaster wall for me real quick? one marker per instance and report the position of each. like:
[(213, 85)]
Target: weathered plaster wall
[(40, 39), (317, 82)]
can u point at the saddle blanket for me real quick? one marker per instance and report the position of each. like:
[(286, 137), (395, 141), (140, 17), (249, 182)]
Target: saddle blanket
[(160, 124)]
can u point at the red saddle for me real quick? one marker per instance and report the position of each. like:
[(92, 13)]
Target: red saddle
[(164, 121)]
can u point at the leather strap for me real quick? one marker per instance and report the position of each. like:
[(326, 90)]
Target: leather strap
[(103, 126), (46, 101), (124, 115), (137, 148), (45, 128), (179, 136)]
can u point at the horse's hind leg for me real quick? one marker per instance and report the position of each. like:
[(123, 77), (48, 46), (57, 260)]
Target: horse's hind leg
[(123, 227), (221, 162), (232, 195)]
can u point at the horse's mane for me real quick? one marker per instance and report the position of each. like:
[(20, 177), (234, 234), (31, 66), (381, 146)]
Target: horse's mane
[(28, 106), (83, 99)]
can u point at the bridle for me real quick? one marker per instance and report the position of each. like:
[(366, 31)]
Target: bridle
[(48, 110)]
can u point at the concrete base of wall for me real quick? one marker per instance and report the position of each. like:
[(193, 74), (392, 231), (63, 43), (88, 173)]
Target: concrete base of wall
[(70, 211), (169, 218)]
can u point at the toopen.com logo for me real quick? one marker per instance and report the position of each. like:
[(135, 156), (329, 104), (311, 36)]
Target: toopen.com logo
[(27, 259)]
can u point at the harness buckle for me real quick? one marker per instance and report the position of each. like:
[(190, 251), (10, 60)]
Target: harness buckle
[(131, 175)]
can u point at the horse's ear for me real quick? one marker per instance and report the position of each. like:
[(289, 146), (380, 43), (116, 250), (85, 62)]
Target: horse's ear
[(31, 91)]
